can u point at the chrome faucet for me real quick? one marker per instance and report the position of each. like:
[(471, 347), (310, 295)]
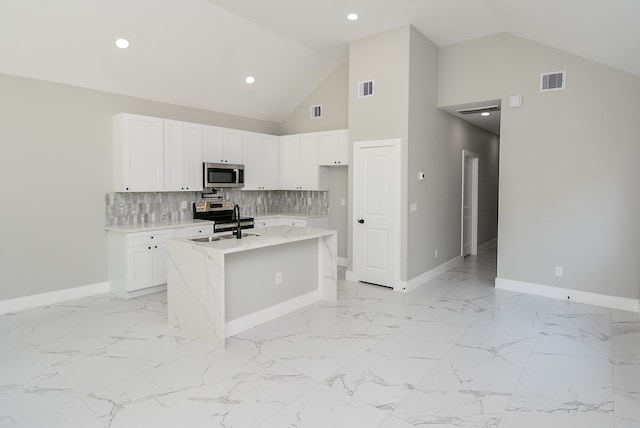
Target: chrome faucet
[(236, 212)]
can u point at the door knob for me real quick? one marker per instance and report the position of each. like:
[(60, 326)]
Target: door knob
[(361, 220)]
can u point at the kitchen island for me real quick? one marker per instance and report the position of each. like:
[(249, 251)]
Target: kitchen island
[(219, 288)]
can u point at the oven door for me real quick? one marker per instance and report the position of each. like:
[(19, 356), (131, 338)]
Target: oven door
[(222, 175)]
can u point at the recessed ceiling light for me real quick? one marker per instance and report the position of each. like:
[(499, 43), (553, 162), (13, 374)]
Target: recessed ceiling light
[(485, 113), (250, 79), (122, 43), (352, 17)]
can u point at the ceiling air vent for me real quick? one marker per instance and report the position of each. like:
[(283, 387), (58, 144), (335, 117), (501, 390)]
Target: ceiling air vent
[(554, 81), (316, 112), (476, 110), (365, 89)]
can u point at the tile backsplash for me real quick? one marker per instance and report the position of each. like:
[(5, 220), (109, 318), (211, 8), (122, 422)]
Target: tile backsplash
[(137, 208)]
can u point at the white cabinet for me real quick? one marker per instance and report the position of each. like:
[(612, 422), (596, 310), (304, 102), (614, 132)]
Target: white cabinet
[(318, 222), (221, 145), (299, 168), (182, 156), (333, 148), (138, 153), (194, 231), (137, 261), (261, 155), (266, 222)]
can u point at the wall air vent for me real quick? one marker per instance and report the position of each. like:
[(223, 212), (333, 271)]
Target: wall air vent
[(365, 89), (554, 81), (476, 110), (316, 112)]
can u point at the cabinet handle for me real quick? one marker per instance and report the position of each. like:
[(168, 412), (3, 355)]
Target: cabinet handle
[(149, 247), (152, 237), (156, 246)]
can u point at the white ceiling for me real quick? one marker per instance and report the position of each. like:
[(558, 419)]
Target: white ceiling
[(197, 52)]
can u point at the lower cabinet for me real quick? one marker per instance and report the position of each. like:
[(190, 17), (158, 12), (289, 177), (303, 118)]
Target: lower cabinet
[(317, 222), (137, 262)]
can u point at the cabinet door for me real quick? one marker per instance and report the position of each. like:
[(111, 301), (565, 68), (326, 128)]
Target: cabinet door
[(139, 153), (343, 147), (270, 156), (192, 158), (328, 148), (309, 168), (289, 162), (173, 143), (212, 144), (232, 151), (253, 162), (140, 267), (159, 264)]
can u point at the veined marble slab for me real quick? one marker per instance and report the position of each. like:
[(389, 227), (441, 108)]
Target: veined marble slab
[(197, 279)]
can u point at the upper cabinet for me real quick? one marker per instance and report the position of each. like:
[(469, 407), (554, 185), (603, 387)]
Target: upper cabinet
[(182, 156), (138, 153), (221, 145), (333, 148), (299, 167), (261, 155)]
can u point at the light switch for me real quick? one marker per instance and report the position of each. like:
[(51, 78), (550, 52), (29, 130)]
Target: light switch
[(515, 101), (414, 207), (421, 176)]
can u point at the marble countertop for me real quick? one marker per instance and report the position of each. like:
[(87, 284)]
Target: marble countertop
[(146, 227), (266, 237), (289, 215)]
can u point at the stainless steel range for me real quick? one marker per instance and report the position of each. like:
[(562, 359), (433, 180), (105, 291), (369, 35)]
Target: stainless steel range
[(222, 214)]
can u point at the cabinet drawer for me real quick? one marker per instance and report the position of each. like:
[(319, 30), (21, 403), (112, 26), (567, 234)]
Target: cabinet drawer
[(293, 222), (148, 238), (266, 222), (190, 232)]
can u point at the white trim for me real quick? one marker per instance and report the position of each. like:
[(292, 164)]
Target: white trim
[(419, 280), (396, 144), (475, 158), (50, 298), (343, 261), (137, 293), (246, 322), (614, 302)]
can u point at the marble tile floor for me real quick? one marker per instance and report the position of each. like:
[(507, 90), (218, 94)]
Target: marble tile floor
[(456, 352)]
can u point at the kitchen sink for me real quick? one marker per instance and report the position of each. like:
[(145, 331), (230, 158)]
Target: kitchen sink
[(206, 239), (221, 237)]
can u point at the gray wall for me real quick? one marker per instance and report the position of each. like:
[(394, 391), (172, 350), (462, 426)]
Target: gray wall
[(404, 64), (436, 141), (384, 58), (55, 169), (568, 162), (332, 94)]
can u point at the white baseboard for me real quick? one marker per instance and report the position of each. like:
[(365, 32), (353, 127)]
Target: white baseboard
[(614, 302), (44, 299), (416, 282), (241, 324), (343, 261)]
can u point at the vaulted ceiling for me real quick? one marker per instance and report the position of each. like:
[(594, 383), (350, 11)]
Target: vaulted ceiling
[(197, 52)]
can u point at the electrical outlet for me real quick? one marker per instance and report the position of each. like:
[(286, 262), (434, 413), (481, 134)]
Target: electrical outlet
[(342, 202), (414, 207), (183, 205), (278, 277), (559, 271)]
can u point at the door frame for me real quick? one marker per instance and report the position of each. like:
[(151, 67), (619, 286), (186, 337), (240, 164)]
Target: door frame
[(395, 201), (474, 157)]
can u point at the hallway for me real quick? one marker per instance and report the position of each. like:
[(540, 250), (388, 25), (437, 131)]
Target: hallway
[(456, 352)]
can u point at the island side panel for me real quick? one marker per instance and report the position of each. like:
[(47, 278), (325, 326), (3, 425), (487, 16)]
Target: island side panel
[(328, 264), (251, 276), (196, 291)]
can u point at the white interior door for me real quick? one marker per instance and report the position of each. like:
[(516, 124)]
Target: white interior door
[(469, 203), (376, 212)]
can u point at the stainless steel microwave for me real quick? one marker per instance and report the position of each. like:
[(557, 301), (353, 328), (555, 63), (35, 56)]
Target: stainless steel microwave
[(222, 175)]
